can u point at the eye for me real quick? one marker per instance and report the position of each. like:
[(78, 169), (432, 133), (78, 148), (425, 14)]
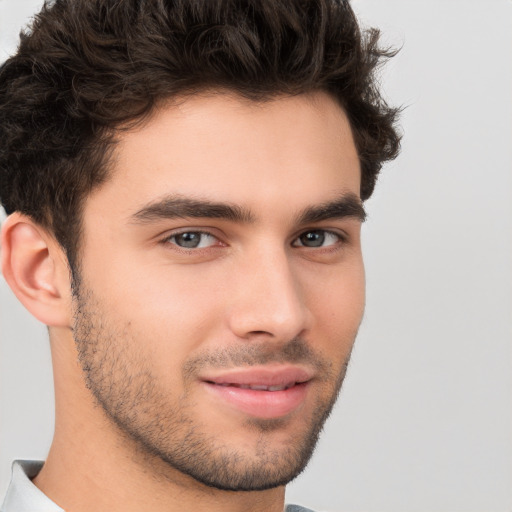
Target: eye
[(192, 240), (317, 238)]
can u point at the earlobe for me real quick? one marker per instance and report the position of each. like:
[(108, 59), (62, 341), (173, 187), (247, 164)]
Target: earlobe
[(35, 268)]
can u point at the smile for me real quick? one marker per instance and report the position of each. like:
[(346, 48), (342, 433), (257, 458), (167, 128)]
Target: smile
[(266, 393)]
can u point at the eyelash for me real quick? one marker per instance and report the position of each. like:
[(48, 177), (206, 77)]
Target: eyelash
[(340, 239), (169, 239), (324, 233)]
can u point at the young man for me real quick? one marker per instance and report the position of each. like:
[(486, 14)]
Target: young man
[(185, 185)]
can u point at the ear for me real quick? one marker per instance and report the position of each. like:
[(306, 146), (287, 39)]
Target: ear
[(35, 267)]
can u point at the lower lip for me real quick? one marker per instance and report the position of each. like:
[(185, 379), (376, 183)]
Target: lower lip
[(261, 404)]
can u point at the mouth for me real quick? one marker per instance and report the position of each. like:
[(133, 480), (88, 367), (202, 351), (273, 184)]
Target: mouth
[(261, 392)]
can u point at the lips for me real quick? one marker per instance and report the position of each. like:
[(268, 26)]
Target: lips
[(264, 392)]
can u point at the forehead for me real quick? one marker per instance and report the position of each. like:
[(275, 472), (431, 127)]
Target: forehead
[(223, 147)]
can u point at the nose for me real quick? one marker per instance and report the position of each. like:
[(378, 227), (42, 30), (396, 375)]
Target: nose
[(269, 300)]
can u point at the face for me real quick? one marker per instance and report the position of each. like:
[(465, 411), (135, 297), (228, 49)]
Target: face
[(222, 284)]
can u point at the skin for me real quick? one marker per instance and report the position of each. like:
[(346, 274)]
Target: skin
[(151, 319)]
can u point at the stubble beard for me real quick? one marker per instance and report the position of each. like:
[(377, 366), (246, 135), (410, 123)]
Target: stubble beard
[(120, 378)]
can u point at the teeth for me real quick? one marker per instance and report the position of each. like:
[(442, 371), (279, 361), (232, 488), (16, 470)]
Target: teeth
[(259, 387), (276, 388)]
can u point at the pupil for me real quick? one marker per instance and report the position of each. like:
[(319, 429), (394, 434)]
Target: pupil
[(189, 240), (313, 239)]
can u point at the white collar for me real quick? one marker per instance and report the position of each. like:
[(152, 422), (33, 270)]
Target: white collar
[(22, 495)]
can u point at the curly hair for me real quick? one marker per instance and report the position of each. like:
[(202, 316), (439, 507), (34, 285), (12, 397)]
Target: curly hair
[(86, 68)]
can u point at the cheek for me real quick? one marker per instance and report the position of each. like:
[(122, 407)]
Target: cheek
[(338, 304), (168, 311)]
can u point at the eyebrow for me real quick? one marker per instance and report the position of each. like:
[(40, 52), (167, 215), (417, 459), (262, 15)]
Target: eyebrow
[(172, 207), (348, 205)]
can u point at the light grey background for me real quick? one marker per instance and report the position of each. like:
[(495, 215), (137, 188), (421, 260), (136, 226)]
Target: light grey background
[(425, 418)]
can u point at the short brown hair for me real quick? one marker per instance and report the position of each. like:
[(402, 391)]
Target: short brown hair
[(85, 67)]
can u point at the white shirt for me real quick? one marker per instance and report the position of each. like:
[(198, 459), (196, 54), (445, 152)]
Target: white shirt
[(22, 495)]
